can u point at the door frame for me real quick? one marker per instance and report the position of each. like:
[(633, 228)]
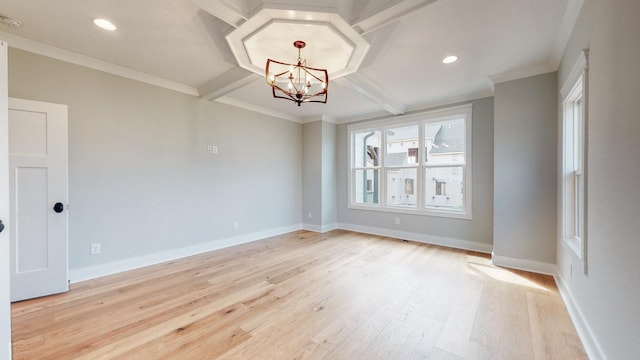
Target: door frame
[(5, 259)]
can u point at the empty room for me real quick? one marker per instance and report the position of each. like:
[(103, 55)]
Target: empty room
[(319, 179)]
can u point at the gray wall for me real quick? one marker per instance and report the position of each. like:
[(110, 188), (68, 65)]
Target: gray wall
[(329, 175), (312, 173), (607, 296), (319, 175), (140, 178), (525, 165), (478, 230)]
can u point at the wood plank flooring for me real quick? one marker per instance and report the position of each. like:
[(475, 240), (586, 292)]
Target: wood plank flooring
[(303, 295)]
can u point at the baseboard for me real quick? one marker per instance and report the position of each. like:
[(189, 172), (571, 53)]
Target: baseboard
[(589, 342), (423, 238), (524, 264), (320, 228), (92, 272)]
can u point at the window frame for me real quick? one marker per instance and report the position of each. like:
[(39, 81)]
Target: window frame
[(450, 113), (573, 174)]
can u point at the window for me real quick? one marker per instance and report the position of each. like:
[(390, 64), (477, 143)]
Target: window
[(573, 176), (413, 164), (408, 186), (412, 156), (366, 169), (444, 161)]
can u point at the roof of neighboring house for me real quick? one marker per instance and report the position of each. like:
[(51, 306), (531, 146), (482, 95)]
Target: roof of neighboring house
[(450, 138), (396, 159)]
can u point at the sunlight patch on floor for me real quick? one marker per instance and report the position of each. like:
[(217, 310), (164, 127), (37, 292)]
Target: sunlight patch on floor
[(506, 276)]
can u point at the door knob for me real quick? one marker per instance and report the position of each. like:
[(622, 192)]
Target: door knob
[(1, 226), (58, 207)]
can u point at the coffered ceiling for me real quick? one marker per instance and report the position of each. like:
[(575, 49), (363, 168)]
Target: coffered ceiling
[(384, 56)]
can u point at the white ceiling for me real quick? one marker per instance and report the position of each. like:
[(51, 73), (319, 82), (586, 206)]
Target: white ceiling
[(196, 46)]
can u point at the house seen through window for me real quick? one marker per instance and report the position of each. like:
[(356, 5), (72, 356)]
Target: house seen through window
[(419, 165)]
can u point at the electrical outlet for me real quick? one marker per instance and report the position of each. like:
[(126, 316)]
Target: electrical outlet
[(95, 249), (397, 220), (310, 215), (212, 149), (236, 225)]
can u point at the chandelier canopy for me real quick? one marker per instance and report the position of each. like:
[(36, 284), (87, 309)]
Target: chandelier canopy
[(297, 82)]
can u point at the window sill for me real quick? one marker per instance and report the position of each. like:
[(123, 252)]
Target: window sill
[(412, 211)]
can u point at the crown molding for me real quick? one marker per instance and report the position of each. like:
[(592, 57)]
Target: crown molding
[(523, 73), (323, 117), (450, 101), (95, 64)]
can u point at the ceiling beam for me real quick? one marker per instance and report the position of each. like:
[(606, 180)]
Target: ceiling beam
[(392, 11), (257, 108), (373, 92), (223, 10), (569, 18), (230, 81)]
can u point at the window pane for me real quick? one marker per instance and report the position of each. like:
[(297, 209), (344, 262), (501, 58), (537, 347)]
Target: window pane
[(366, 151), (444, 188), (402, 146), (367, 186), (444, 142), (401, 187)]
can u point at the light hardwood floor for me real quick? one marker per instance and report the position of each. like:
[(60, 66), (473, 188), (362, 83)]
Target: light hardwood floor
[(338, 295)]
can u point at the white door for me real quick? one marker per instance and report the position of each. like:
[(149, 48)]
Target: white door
[(38, 198), (5, 306)]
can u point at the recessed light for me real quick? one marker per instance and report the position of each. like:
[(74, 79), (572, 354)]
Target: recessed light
[(10, 22), (104, 24), (450, 59)]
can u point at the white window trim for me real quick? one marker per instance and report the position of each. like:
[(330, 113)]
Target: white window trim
[(427, 116), (574, 88)]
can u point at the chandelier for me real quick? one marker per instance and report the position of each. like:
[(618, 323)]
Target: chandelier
[(297, 82)]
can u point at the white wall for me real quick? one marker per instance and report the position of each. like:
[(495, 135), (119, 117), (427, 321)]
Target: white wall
[(474, 234), (5, 309), (605, 299), (525, 165), (140, 178)]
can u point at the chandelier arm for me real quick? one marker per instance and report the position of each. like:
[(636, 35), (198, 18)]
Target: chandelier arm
[(288, 95), (317, 78)]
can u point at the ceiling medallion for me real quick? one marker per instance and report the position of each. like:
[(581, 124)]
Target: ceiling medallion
[(297, 82)]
